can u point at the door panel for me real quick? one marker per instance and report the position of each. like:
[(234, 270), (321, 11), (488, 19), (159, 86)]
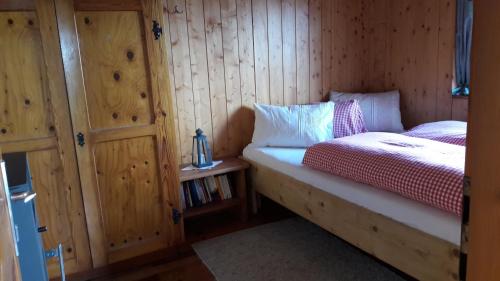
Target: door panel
[(120, 101), (47, 173), (23, 101), (34, 118), (481, 247), (127, 177), (114, 68)]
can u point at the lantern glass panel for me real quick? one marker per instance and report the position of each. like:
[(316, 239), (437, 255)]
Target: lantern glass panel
[(202, 156)]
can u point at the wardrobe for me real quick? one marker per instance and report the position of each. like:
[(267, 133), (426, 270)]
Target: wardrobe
[(84, 90)]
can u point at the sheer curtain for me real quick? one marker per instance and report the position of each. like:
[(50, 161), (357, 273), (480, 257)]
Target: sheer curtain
[(463, 46)]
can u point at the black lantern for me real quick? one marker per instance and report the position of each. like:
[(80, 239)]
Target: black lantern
[(202, 156)]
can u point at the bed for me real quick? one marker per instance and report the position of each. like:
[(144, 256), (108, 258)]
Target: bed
[(420, 240)]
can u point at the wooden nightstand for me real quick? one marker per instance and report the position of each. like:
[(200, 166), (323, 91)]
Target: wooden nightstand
[(234, 168)]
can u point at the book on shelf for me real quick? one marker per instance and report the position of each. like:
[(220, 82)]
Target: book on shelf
[(194, 194), (220, 190), (226, 186), (206, 191), (198, 192), (182, 195), (187, 195)]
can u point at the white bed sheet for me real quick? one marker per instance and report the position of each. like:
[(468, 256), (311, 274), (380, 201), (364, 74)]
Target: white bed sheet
[(417, 215)]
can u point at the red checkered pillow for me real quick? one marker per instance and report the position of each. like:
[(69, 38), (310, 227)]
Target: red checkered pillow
[(348, 119)]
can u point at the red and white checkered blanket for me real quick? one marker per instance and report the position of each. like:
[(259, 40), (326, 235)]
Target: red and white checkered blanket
[(424, 170), (454, 132)]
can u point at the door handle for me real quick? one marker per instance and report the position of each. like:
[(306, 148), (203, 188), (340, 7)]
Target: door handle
[(57, 253), (25, 196), (42, 229)]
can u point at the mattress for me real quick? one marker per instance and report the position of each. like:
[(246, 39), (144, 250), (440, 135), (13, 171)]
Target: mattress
[(425, 218)]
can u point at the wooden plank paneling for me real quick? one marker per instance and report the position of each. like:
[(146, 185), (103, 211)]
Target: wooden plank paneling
[(374, 34), (426, 61), (261, 51), (170, 58), (459, 110), (232, 75), (419, 59), (247, 68), (327, 47), (276, 48), (302, 43), (338, 29), (216, 74), (182, 78), (199, 67), (315, 52), (446, 56), (412, 55), (297, 51), (348, 48), (289, 51), (394, 51)]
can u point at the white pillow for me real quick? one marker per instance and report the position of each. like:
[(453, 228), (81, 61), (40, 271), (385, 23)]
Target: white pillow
[(293, 126), (380, 110)]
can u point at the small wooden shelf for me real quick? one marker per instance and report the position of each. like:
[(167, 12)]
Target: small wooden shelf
[(235, 169), (211, 208), (227, 165)]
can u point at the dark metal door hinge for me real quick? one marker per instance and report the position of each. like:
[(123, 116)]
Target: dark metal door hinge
[(80, 137), (464, 245), (157, 30)]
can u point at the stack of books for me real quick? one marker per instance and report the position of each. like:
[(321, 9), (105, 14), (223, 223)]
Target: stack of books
[(198, 192)]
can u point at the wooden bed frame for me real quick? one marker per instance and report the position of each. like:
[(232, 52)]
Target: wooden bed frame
[(412, 251)]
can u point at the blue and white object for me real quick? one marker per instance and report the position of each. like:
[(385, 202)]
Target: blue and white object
[(202, 155), (27, 233)]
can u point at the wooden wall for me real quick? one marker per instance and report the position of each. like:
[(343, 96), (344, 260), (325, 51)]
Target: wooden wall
[(227, 54)]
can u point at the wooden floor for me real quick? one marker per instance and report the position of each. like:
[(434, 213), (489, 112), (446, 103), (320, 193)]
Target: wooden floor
[(185, 269), (184, 265)]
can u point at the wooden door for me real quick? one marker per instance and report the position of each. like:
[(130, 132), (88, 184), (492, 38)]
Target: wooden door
[(116, 73), (9, 265), (34, 118), (483, 145)]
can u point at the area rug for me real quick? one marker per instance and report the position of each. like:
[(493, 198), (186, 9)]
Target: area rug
[(288, 250)]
